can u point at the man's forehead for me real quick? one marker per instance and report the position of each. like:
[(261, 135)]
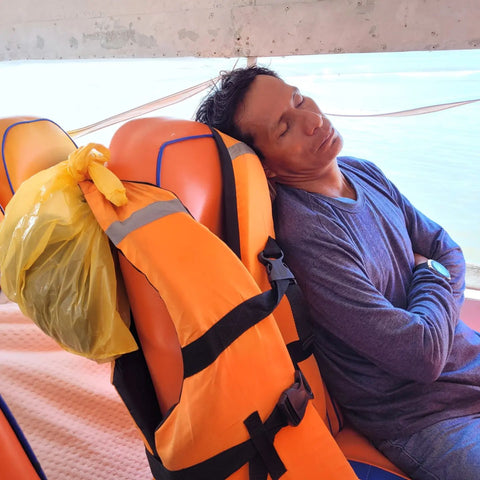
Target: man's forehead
[(262, 103), (267, 88)]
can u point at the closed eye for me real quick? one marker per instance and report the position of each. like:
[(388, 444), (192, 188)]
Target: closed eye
[(284, 130), (297, 101)]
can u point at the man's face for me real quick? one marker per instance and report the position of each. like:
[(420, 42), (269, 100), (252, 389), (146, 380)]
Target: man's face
[(298, 143)]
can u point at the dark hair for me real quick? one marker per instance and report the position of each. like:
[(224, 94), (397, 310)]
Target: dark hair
[(219, 107)]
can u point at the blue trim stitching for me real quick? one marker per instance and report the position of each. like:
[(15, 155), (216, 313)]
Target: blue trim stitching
[(166, 144), (366, 471), (4, 139)]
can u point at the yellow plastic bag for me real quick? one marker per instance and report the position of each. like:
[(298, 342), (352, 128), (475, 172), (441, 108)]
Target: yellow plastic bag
[(55, 260)]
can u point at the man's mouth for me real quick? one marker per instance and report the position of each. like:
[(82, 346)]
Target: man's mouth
[(329, 135)]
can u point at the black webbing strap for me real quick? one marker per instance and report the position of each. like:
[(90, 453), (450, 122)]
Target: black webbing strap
[(267, 459), (272, 258), (291, 408), (132, 380), (231, 231), (224, 464), (219, 467), (259, 451), (203, 351), (303, 348)]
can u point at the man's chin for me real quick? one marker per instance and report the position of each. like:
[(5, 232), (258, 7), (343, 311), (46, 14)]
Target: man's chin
[(337, 143)]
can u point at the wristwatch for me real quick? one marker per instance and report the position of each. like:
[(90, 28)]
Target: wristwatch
[(436, 267)]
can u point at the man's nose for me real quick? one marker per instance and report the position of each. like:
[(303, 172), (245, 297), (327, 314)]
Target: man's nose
[(311, 122)]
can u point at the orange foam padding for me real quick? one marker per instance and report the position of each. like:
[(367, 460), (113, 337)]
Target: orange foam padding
[(157, 335), (14, 462), (356, 447), (29, 144), (178, 155)]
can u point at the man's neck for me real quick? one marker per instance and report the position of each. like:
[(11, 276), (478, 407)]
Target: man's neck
[(331, 183)]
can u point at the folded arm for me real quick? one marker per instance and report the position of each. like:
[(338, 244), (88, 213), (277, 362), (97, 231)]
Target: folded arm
[(411, 341)]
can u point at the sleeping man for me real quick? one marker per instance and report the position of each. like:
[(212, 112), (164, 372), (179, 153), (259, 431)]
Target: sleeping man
[(384, 283)]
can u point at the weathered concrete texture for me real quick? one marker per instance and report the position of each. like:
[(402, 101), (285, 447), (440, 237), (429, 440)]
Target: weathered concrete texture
[(147, 28)]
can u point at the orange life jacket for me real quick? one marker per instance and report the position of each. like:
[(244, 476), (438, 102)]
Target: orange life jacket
[(244, 410)]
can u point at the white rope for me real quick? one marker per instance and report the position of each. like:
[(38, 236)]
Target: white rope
[(412, 111), (144, 109), (189, 92)]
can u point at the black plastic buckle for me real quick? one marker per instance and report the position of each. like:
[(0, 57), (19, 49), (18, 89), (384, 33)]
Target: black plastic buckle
[(294, 400), (276, 268)]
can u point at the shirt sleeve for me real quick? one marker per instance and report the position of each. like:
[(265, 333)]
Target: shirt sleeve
[(432, 241), (429, 239)]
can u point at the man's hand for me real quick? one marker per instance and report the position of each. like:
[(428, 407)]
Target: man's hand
[(419, 259)]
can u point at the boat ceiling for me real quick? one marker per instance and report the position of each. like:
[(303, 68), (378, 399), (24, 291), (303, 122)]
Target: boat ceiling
[(68, 29)]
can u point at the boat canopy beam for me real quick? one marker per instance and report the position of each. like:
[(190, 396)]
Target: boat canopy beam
[(57, 29)]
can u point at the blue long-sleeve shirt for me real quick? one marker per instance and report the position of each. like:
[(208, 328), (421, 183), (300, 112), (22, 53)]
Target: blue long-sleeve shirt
[(389, 341)]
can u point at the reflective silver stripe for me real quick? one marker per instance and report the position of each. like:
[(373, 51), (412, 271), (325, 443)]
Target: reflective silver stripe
[(117, 231), (239, 149)]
